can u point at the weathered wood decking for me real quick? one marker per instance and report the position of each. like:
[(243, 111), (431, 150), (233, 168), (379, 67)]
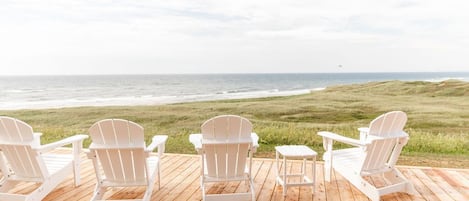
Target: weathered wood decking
[(180, 181)]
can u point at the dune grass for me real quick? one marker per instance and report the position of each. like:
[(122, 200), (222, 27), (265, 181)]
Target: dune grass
[(438, 118)]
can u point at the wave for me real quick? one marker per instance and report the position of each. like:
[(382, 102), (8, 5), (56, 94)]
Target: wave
[(21, 91), (144, 99), (14, 91), (318, 89)]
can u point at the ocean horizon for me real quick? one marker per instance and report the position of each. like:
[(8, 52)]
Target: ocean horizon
[(58, 91)]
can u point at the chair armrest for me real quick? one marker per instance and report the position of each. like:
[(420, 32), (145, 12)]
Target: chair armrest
[(255, 141), (196, 140), (157, 141), (364, 131), (37, 139), (341, 138), (61, 143), (37, 135)]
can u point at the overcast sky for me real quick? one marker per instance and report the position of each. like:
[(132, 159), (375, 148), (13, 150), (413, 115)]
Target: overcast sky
[(232, 36)]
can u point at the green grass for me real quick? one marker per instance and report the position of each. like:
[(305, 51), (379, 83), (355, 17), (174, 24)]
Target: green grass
[(438, 118)]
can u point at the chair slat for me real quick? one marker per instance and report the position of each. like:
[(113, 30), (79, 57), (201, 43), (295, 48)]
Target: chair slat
[(232, 160), (221, 151), (242, 155), (121, 132), (107, 132), (96, 134), (210, 160), (106, 164), (127, 165), (15, 130), (138, 157)]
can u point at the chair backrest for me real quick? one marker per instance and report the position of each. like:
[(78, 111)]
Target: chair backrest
[(120, 149), (16, 144), (226, 141), (387, 138), (388, 125)]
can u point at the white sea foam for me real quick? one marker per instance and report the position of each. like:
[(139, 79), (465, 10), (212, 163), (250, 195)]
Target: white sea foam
[(318, 89), (143, 100)]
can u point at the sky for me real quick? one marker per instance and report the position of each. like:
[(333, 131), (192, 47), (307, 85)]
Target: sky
[(232, 36)]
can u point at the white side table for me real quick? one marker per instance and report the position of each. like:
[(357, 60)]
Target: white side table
[(295, 152)]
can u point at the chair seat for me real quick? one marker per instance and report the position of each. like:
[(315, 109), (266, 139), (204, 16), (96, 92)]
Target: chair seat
[(56, 162), (348, 159), (216, 179)]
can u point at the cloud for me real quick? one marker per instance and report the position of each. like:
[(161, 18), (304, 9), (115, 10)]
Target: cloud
[(186, 36)]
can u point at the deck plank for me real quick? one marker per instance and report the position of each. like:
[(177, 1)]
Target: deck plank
[(180, 181), (294, 191), (344, 186), (269, 183), (242, 187), (277, 193), (320, 193), (306, 192), (332, 189), (444, 184), (261, 176), (458, 182), (434, 187)]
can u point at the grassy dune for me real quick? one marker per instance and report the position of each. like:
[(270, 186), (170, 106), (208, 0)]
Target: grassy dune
[(438, 118)]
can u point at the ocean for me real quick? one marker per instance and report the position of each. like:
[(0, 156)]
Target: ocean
[(37, 92)]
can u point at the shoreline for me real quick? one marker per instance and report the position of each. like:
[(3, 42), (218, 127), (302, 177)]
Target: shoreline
[(86, 100), (150, 100)]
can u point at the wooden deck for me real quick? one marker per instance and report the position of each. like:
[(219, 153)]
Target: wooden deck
[(180, 181)]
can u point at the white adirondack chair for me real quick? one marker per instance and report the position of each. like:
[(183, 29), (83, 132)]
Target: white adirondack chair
[(376, 153), (24, 159), (120, 157), (224, 145)]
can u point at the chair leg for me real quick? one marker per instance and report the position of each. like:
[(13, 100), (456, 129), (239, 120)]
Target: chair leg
[(76, 172), (327, 166), (202, 187), (253, 193), (327, 143), (395, 176), (98, 192), (77, 146), (159, 176), (148, 192)]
